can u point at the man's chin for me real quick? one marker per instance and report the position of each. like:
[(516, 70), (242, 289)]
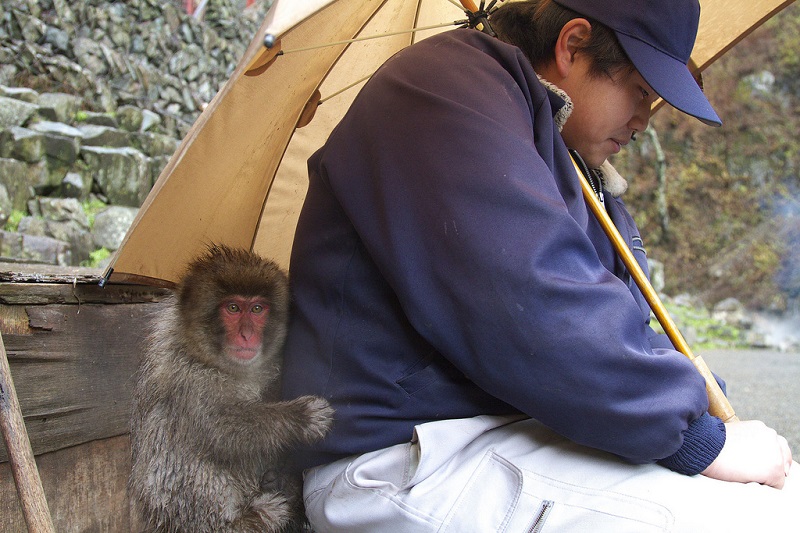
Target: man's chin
[(593, 160)]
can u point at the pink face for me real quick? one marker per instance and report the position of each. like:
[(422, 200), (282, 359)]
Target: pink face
[(244, 319), (606, 112)]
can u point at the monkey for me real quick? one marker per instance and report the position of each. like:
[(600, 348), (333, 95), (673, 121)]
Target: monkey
[(208, 432)]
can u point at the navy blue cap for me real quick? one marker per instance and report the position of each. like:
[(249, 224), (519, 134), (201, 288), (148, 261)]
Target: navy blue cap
[(658, 36)]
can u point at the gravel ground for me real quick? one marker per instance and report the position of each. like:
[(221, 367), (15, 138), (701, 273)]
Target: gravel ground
[(762, 385)]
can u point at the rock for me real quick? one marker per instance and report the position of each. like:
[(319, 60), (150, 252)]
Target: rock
[(47, 114), (5, 205), (731, 311), (155, 144), (21, 179), (58, 38), (90, 56), (111, 225), (104, 136), (137, 44), (67, 73), (61, 142), (120, 173), (31, 27), (130, 118), (57, 128), (66, 221), (114, 61), (73, 186), (15, 112), (78, 237), (156, 165), (99, 119), (33, 226), (33, 207), (8, 73), (63, 210), (149, 120), (34, 249), (64, 105), (20, 93), (28, 145), (63, 11)]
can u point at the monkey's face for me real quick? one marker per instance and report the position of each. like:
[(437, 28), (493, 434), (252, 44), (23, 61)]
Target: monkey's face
[(244, 319)]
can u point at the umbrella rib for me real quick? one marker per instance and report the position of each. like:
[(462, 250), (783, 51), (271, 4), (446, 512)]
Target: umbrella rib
[(378, 36), (343, 89)]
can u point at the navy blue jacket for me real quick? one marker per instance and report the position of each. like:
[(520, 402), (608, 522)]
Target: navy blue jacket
[(445, 265)]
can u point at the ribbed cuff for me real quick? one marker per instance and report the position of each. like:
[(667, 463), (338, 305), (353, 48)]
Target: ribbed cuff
[(702, 442)]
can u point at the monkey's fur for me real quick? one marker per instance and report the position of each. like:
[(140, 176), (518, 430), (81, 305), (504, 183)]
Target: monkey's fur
[(206, 428)]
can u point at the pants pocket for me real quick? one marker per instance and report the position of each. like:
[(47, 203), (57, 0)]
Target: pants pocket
[(572, 507), (494, 499)]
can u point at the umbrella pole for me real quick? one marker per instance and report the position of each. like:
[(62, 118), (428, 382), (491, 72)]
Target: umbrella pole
[(20, 454), (718, 404)]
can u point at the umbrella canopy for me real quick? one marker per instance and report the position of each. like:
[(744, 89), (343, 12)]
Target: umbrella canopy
[(239, 176)]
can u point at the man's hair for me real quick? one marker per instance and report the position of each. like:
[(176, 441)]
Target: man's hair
[(534, 27)]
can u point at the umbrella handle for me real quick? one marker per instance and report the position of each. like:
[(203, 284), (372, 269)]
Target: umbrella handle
[(718, 404)]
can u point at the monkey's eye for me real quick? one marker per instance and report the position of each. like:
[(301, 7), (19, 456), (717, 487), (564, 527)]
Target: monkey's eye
[(257, 309), (233, 308)]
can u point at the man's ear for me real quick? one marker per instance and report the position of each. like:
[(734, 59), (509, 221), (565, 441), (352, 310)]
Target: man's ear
[(572, 34)]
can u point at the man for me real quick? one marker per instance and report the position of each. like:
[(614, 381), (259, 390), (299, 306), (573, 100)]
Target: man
[(489, 358)]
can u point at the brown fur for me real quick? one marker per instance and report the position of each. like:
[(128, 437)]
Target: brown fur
[(205, 429)]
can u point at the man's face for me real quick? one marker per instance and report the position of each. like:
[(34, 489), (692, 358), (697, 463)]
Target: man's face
[(606, 111)]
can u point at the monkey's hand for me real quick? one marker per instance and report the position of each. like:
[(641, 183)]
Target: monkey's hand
[(317, 415)]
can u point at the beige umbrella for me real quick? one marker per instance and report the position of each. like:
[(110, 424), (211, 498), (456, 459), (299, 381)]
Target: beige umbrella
[(239, 176)]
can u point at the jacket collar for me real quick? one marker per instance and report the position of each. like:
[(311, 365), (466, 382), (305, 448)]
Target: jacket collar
[(560, 102)]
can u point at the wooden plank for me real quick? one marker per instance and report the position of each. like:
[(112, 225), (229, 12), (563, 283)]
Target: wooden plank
[(46, 284), (67, 293), (14, 320), (21, 272), (73, 369), (85, 487)]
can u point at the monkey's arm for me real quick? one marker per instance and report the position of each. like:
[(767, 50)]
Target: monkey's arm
[(264, 429)]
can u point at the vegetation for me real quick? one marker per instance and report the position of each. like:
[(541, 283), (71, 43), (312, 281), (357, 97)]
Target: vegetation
[(13, 220), (700, 329), (96, 258), (91, 207)]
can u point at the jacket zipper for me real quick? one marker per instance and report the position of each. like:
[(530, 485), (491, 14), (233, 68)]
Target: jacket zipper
[(541, 517)]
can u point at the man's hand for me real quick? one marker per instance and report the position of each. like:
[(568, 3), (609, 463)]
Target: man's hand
[(752, 452)]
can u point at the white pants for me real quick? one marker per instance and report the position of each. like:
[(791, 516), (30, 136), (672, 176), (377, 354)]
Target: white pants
[(492, 473)]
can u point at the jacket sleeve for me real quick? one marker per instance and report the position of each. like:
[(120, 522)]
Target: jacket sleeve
[(477, 222)]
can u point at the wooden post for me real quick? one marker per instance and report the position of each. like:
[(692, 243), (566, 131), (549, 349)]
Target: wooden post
[(20, 454)]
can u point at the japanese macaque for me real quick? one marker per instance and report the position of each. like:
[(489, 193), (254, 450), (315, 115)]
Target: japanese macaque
[(207, 432)]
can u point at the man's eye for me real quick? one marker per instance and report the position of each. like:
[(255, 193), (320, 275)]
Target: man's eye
[(645, 94)]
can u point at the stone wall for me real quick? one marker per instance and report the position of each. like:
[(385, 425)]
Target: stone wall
[(94, 98)]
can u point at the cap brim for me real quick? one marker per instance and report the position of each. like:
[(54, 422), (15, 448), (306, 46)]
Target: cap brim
[(670, 78)]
